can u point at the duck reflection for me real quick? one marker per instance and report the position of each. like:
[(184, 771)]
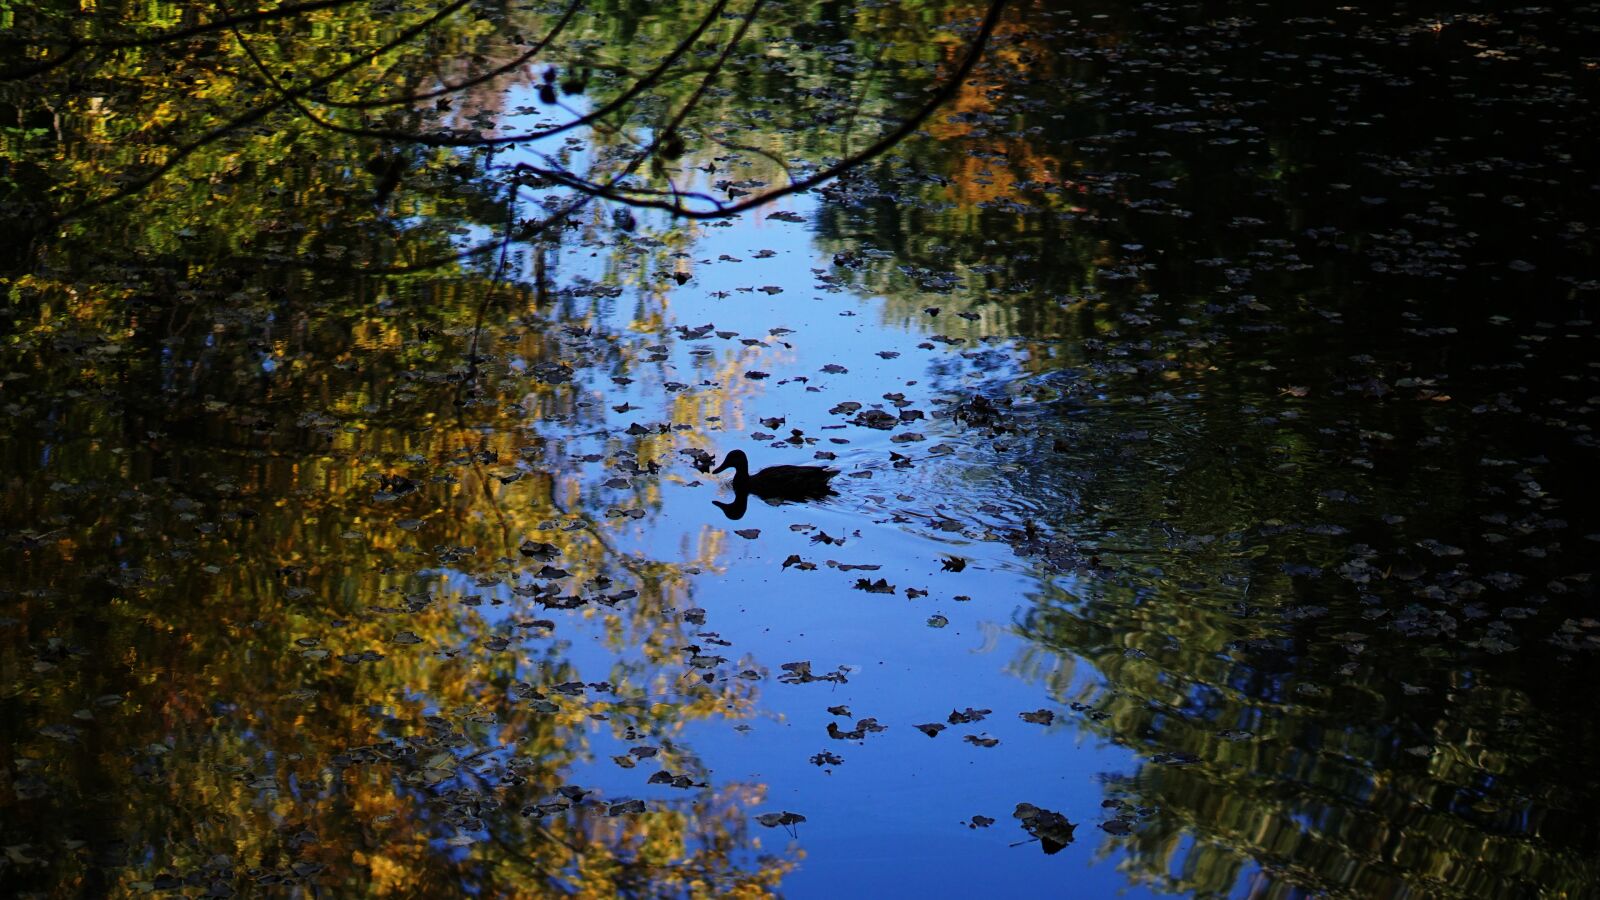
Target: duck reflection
[(736, 509)]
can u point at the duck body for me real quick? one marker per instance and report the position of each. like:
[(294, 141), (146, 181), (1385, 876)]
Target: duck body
[(777, 482)]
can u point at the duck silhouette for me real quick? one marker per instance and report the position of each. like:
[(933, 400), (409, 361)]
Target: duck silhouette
[(774, 484)]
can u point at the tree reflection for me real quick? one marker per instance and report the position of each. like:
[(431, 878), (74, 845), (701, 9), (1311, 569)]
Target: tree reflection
[(1307, 618), (330, 582), (232, 621), (317, 557)]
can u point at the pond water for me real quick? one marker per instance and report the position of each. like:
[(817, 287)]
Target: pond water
[(1210, 387)]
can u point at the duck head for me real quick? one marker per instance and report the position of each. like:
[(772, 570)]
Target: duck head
[(737, 461)]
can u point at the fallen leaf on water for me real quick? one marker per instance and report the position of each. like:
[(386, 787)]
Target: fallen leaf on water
[(539, 551), (800, 673), (1051, 828), (773, 820), (862, 729)]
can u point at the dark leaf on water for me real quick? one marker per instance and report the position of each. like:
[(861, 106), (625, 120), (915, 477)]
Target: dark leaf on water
[(862, 729), (627, 807), (875, 418), (773, 820), (677, 781), (542, 552), (971, 715), (800, 673), (1051, 828)]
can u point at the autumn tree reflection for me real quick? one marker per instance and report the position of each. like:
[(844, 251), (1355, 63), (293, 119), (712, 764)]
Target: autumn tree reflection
[(336, 587)]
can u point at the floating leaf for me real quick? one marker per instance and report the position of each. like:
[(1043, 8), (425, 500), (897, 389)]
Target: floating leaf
[(1051, 828), (539, 551), (773, 820)]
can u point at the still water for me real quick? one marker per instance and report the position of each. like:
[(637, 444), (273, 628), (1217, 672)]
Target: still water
[(1211, 390)]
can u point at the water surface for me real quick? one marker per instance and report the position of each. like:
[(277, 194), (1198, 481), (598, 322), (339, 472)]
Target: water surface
[(1211, 389)]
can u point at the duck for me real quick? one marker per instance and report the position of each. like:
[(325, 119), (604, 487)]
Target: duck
[(777, 483)]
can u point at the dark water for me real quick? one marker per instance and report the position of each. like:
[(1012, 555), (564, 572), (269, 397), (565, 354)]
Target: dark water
[(1212, 388)]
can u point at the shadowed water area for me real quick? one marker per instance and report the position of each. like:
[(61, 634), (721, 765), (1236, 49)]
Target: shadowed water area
[(1211, 389)]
